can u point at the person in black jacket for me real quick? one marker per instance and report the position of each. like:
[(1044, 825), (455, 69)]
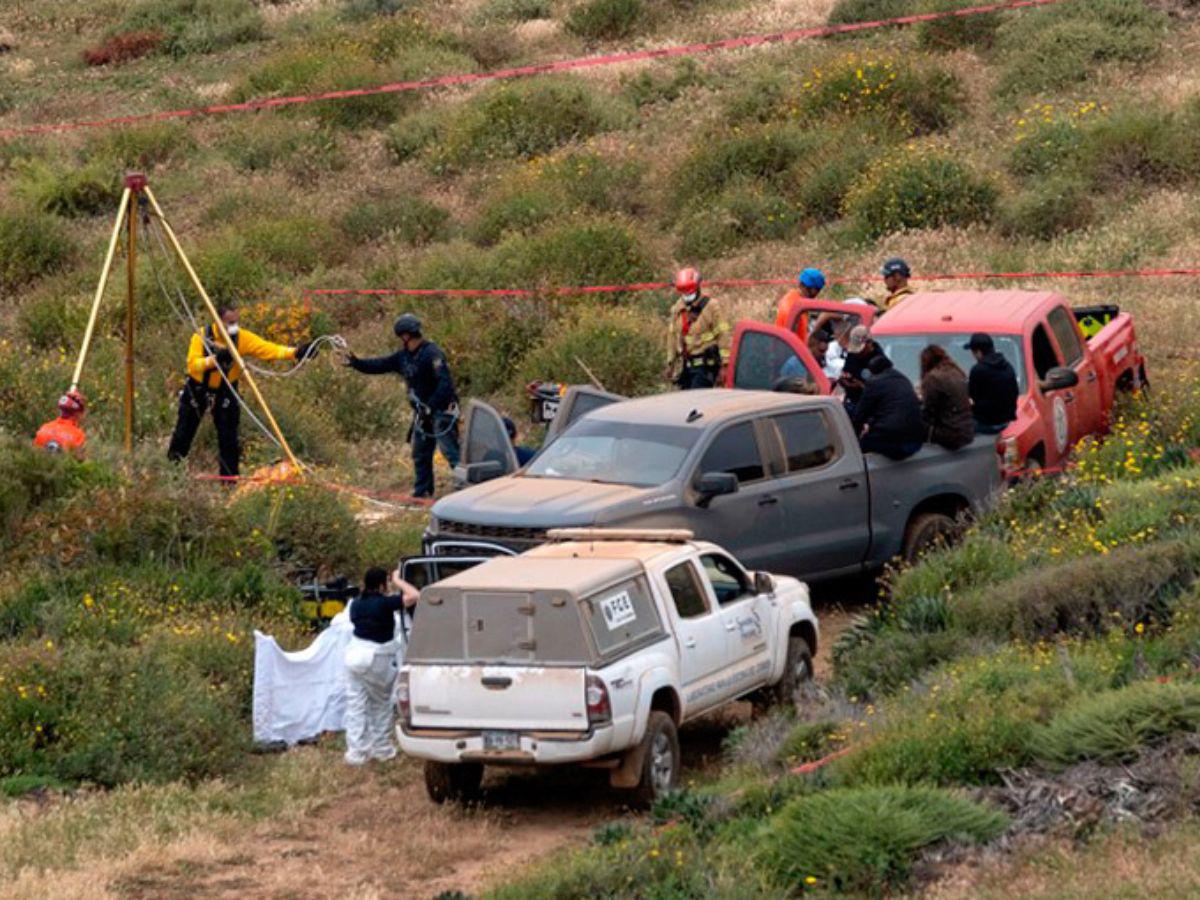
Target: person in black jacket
[(888, 417), (861, 349), (423, 366), (992, 385)]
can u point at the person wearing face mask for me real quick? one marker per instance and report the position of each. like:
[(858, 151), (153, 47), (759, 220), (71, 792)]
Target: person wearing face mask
[(212, 383), (698, 337), (424, 368)]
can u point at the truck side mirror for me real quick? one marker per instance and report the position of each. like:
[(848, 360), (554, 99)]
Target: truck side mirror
[(478, 472), (715, 484), (763, 583), (1060, 378)]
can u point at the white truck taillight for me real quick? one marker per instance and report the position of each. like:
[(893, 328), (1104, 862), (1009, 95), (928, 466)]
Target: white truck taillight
[(403, 699), (599, 710)]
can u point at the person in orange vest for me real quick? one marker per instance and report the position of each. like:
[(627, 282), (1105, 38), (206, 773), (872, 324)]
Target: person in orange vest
[(212, 383), (64, 432), (895, 278), (698, 337)]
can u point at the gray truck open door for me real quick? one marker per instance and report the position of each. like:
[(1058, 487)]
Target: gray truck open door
[(485, 441), (578, 401)]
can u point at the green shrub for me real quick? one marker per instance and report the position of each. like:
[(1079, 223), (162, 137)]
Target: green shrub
[(228, 270), (866, 839), (32, 245), (515, 10), (555, 189), (30, 478), (1083, 596), (619, 345), (740, 215), (1048, 148), (824, 179), (272, 142), (599, 20), (360, 10), (893, 658), (766, 154), (913, 100), (1048, 208), (1147, 144), (523, 209), (848, 11), (110, 715), (293, 243), (918, 190), (69, 190), (651, 86), (957, 32), (311, 526), (196, 26), (521, 119), (410, 136), (1113, 726), (413, 220), (52, 320), (1056, 46), (143, 146)]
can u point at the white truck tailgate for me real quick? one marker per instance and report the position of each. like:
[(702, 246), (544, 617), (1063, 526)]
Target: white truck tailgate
[(518, 698)]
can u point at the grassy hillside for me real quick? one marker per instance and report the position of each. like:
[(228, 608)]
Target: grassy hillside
[(1061, 138)]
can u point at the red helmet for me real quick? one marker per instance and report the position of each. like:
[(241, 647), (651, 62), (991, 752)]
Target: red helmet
[(687, 281)]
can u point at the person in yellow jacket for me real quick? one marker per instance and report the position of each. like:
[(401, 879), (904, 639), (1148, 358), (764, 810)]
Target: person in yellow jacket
[(895, 278), (206, 387), (698, 338)]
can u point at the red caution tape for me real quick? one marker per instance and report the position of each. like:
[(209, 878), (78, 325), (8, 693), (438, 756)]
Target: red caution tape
[(566, 65), (732, 283)]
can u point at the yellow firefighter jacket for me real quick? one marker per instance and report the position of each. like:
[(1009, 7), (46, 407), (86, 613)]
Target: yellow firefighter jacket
[(707, 336), (249, 345)]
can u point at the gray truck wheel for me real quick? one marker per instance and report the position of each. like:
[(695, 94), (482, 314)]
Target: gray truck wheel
[(662, 759), (923, 533), (797, 671), (456, 782)]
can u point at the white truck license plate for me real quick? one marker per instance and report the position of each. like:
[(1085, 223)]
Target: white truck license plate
[(549, 410), (501, 740)]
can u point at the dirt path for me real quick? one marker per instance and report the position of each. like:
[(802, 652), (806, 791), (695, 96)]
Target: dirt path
[(381, 837)]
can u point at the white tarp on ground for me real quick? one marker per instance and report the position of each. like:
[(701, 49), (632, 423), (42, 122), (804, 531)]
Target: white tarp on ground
[(301, 694)]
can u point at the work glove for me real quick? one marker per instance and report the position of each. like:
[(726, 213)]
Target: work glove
[(308, 347), (349, 359), (224, 359)]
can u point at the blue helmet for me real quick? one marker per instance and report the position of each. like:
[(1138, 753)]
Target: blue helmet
[(812, 278)]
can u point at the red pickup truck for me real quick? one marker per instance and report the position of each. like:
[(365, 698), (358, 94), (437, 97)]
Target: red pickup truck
[(1067, 380)]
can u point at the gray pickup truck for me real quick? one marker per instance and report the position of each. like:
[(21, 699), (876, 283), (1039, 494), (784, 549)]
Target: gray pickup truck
[(778, 479)]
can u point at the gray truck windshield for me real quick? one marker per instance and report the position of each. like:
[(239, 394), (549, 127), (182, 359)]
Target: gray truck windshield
[(904, 350), (615, 453)]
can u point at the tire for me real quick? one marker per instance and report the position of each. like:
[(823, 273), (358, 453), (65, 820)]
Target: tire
[(923, 533), (797, 672), (453, 782), (661, 759)]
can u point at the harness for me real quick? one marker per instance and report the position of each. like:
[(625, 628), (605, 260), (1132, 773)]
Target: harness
[(710, 359)]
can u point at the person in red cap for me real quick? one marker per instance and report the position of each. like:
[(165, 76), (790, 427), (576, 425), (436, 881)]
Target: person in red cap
[(698, 337), (64, 432)]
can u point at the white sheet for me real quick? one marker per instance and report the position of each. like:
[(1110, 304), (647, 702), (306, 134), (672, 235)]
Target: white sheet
[(301, 694)]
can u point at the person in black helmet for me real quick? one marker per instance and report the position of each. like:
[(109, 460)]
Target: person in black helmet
[(423, 366), (895, 278)]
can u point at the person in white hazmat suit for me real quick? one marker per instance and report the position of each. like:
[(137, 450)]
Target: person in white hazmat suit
[(371, 665)]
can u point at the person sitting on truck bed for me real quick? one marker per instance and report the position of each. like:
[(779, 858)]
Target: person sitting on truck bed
[(945, 402), (371, 666), (861, 349), (993, 386), (888, 417)]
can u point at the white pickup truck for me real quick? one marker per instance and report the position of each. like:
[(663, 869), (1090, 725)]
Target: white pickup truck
[(592, 649)]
